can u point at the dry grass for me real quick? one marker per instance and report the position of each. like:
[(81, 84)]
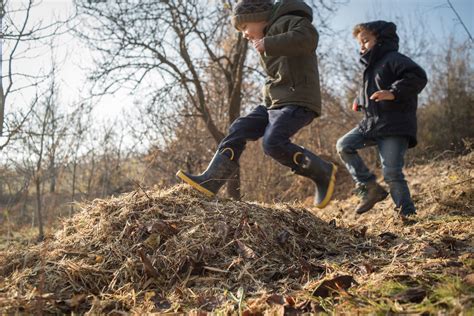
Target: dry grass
[(174, 251)]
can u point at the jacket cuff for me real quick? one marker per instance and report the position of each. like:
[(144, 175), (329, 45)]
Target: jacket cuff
[(394, 92)]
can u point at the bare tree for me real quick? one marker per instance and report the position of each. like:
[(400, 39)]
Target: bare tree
[(460, 20), (41, 138), (18, 37), (172, 46), (446, 117), (79, 122)]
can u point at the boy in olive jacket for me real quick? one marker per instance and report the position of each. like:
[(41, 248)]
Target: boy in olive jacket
[(389, 100), (286, 40)]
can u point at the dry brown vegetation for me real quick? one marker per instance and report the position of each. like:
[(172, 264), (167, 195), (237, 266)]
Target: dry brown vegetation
[(139, 243), (175, 251)]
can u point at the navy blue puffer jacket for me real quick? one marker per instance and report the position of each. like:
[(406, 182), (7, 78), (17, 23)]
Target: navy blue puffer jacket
[(387, 69)]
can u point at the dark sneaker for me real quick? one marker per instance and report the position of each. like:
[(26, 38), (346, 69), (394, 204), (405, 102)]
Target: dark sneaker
[(370, 194)]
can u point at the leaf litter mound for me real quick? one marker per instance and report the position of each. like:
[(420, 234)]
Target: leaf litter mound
[(161, 249), (173, 250)]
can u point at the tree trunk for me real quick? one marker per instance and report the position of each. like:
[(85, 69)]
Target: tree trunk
[(52, 170), (73, 190), (235, 104), (38, 209), (2, 96), (91, 177), (23, 211)]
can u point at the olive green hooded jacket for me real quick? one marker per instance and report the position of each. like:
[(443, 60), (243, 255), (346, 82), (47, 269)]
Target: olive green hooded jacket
[(290, 59)]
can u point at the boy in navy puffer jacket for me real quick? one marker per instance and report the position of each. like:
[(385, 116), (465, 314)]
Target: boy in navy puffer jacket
[(388, 98)]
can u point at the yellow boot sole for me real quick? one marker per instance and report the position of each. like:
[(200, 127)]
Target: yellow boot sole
[(180, 174), (330, 191)]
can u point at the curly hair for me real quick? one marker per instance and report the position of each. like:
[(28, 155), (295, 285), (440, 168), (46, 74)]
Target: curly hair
[(361, 27)]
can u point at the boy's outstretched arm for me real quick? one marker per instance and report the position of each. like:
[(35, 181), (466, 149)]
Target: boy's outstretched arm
[(412, 78), (301, 38)]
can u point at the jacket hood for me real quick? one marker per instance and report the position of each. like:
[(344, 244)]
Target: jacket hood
[(387, 40), (386, 33), (293, 7)]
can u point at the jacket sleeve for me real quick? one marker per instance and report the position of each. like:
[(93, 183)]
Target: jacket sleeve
[(411, 78), (301, 38)]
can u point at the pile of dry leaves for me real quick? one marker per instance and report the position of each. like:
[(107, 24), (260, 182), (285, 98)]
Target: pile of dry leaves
[(173, 250)]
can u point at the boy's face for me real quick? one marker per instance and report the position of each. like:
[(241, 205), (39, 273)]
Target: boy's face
[(366, 41), (253, 30)]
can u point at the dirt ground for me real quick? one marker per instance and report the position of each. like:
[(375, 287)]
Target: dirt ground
[(173, 251)]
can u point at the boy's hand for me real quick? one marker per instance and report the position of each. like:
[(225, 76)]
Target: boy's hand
[(382, 95), (259, 45)]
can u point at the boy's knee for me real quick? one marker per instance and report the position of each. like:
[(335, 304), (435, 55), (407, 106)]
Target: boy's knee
[(391, 174), (235, 126), (342, 146), (271, 146)]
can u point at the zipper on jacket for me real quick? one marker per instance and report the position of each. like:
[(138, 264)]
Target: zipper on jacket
[(366, 97)]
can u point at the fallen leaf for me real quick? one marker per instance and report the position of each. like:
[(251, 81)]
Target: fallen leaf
[(276, 299), (452, 242), (430, 252), (153, 241), (305, 265), (366, 268), (339, 283), (413, 295), (453, 264), (290, 301), (161, 304), (222, 229), (162, 228), (245, 251), (360, 233), (469, 279), (76, 300), (388, 236), (275, 276), (99, 259), (290, 311), (196, 267), (147, 265), (246, 312), (309, 306), (282, 237)]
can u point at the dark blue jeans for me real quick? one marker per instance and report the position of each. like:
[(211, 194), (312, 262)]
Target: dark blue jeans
[(276, 126), (392, 151)]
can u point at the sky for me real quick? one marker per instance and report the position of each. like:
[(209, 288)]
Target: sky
[(437, 14), (75, 57)]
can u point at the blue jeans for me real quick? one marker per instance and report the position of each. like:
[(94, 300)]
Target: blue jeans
[(392, 151), (276, 126)]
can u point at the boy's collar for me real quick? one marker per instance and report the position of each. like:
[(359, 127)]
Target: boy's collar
[(376, 52), (366, 57), (270, 22)]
